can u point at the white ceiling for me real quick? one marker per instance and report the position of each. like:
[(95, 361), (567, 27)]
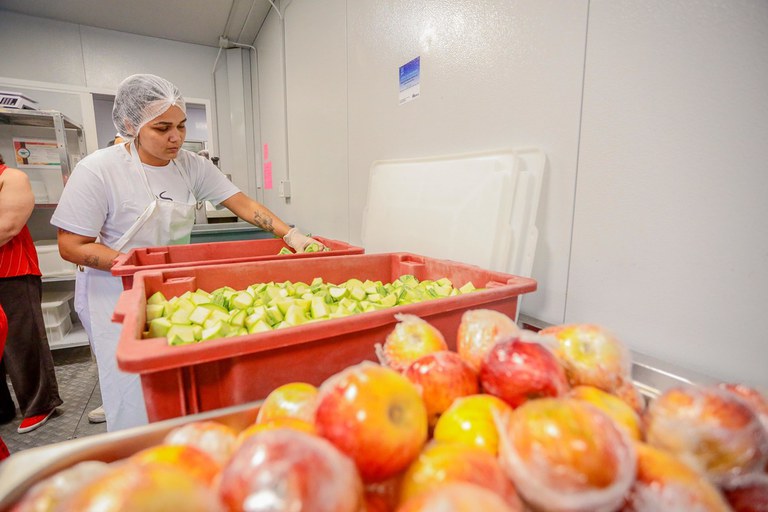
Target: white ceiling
[(189, 21)]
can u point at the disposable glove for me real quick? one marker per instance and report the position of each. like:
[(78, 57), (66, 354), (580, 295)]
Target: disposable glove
[(299, 241)]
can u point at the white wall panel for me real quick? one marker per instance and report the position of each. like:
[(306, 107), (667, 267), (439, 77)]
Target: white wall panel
[(670, 239), (495, 74), (317, 116), (109, 57), (41, 50), (269, 46)]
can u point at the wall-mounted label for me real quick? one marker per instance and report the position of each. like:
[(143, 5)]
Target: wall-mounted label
[(410, 74)]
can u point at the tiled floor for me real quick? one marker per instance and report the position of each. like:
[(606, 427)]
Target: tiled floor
[(79, 389)]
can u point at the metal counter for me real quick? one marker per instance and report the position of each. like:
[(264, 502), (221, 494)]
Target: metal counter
[(227, 231)]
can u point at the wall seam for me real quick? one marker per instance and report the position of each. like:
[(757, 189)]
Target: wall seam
[(578, 162)]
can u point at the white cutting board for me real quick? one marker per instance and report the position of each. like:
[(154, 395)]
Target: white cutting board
[(477, 208)]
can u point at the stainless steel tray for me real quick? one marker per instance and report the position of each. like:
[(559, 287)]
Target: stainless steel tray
[(22, 470)]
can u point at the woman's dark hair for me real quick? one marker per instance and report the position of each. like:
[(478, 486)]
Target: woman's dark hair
[(2, 162)]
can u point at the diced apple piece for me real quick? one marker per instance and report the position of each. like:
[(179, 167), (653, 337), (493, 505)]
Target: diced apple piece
[(237, 318), (295, 315), (180, 335), (338, 292), (241, 300), (284, 250), (158, 328), (260, 326), (180, 316), (215, 330), (156, 298), (318, 308), (155, 311), (469, 287), (199, 315)]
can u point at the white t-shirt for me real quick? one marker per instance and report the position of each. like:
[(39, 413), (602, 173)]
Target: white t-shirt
[(105, 194)]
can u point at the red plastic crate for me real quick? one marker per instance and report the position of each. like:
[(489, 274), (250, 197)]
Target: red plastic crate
[(189, 379), (175, 256)]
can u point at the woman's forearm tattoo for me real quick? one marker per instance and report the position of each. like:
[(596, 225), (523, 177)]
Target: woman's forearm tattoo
[(263, 221)]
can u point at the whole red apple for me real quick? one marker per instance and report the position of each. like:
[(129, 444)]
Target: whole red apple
[(441, 377), (375, 416), (286, 469), (750, 495), (517, 371)]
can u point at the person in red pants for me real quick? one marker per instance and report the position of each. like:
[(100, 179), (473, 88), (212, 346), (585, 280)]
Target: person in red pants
[(4, 453)]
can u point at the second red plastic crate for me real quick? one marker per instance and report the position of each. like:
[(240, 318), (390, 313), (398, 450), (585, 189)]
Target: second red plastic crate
[(174, 256)]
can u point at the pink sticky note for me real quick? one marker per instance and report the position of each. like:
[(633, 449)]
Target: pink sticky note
[(268, 175), (266, 152)]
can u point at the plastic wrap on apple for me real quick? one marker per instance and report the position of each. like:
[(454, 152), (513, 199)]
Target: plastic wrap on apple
[(215, 439), (478, 331), (682, 420), (565, 455), (411, 338), (284, 470), (51, 492)]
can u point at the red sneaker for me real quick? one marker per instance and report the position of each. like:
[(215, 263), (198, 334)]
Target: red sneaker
[(33, 422)]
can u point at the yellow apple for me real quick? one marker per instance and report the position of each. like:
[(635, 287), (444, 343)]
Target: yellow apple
[(470, 420), (294, 400), (624, 415)]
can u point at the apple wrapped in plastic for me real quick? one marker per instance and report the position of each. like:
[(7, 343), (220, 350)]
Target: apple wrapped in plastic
[(749, 494), (193, 461), (458, 497), (471, 421), (49, 494), (215, 439), (411, 339), (375, 416), (664, 482), (619, 410), (284, 470), (565, 455), (591, 355), (478, 331), (440, 463), (146, 487), (441, 377), (517, 371), (712, 429), (294, 400)]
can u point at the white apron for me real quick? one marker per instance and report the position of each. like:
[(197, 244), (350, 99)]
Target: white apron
[(161, 223)]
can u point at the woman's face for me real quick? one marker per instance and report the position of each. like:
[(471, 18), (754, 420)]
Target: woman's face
[(160, 140)]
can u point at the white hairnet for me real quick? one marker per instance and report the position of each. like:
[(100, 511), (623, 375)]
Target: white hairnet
[(140, 99)]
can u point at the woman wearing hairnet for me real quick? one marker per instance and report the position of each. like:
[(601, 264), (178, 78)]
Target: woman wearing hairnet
[(137, 194)]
